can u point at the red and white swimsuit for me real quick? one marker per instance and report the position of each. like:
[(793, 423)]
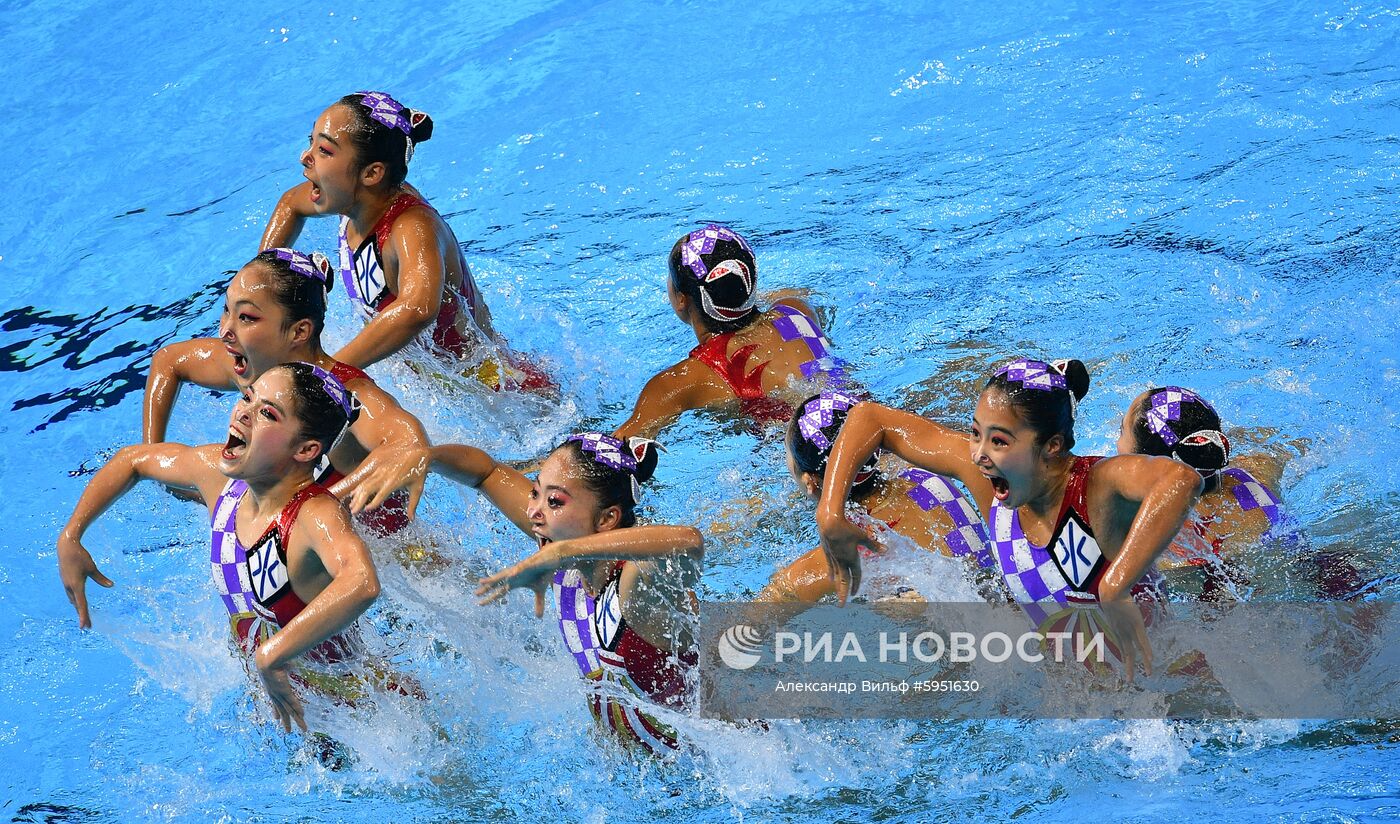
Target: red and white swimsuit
[(254, 582), (362, 271), (614, 658)]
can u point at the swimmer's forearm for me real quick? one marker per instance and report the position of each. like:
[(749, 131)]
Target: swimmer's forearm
[(464, 464), (288, 218), (861, 435), (202, 361), (638, 543), (506, 488), (105, 487), (1159, 518), (337, 607), (385, 334), (162, 388)]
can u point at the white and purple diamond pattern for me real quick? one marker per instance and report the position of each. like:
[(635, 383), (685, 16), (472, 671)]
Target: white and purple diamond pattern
[(1033, 374), (228, 560), (386, 110), (793, 325), (969, 536), (1030, 573), (1164, 407), (702, 242), (576, 619)]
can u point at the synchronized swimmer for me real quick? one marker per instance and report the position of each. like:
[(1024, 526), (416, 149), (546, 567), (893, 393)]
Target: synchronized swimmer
[(294, 574)]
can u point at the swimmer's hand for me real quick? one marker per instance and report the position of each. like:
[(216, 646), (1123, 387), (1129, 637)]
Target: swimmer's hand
[(286, 705), (842, 540), (382, 473), (533, 573), (75, 567), (1125, 619)]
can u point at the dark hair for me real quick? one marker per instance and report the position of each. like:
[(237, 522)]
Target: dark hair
[(302, 297), (322, 416), (613, 486), (726, 293), (1044, 394), (1195, 415), (376, 142), (809, 456)]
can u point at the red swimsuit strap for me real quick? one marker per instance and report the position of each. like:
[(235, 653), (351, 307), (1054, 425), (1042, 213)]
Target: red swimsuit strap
[(1077, 490), (398, 206), (288, 516), (345, 373)]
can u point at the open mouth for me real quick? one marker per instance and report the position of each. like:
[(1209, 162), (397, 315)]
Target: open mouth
[(233, 447), (240, 363), (315, 193), (1001, 490), (542, 540)]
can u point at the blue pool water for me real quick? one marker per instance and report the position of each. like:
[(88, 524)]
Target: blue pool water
[(1188, 192)]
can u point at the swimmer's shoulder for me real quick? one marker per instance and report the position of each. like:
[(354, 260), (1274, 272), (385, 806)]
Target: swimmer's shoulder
[(795, 302)]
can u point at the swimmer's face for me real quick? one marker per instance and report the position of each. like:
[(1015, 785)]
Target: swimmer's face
[(264, 432), (561, 504), (1004, 449), (1127, 441), (676, 299), (330, 162), (254, 326)]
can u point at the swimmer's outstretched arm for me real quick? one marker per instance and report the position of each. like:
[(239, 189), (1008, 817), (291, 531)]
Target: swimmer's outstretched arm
[(288, 218), (414, 244), (398, 452), (680, 388), (324, 530), (1162, 491), (203, 361), (172, 464), (290, 214), (506, 488), (868, 427), (683, 545)]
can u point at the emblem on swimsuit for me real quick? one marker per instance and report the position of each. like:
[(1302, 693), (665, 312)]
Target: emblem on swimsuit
[(369, 277), (1076, 552), (265, 568), (607, 617)]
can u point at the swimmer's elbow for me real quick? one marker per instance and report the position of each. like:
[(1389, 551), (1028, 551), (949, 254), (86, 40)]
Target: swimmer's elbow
[(1190, 479), (367, 588)]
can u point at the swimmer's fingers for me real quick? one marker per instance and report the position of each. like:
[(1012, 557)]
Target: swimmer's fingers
[(75, 567), (539, 601), (854, 575), (415, 492), (286, 706), (1125, 618)]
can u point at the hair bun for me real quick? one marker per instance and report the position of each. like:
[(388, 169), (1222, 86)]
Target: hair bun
[(1076, 376), (420, 126), (646, 452), (323, 263)]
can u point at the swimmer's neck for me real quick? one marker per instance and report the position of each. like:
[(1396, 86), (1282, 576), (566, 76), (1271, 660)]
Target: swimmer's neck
[(268, 495), (698, 327), (370, 206), (1046, 504)]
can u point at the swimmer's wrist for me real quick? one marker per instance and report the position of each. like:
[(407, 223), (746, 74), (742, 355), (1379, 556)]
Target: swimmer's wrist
[(266, 657)]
